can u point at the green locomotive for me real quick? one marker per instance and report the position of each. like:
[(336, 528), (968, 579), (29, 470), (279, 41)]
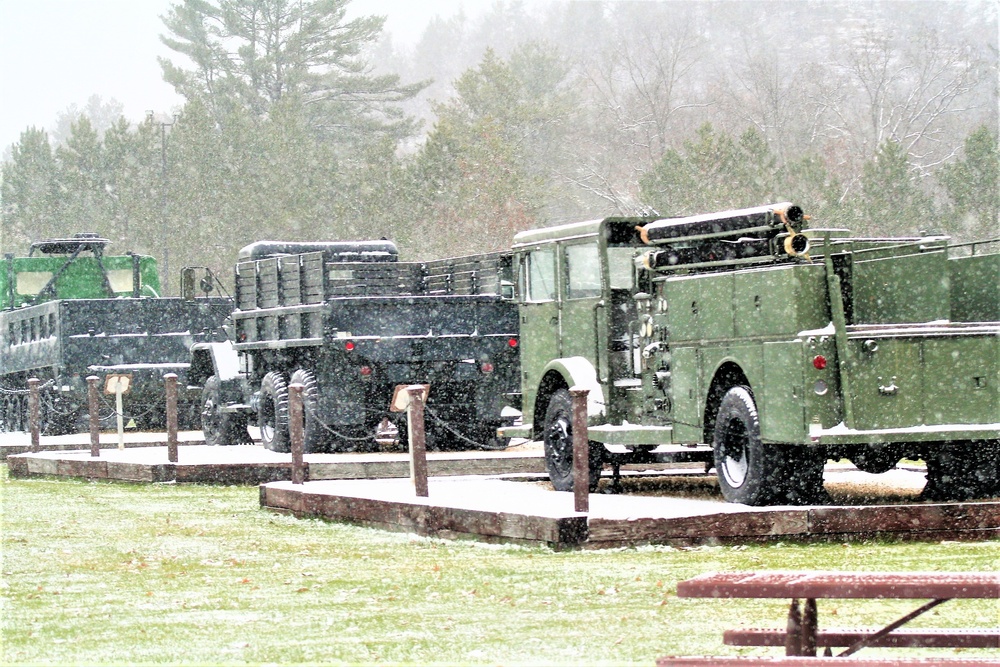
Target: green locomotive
[(69, 311)]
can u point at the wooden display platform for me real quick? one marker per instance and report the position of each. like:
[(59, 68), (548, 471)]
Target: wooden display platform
[(252, 464), (520, 511), (20, 443)]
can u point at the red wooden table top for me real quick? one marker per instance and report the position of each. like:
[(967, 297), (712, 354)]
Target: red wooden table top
[(779, 584)]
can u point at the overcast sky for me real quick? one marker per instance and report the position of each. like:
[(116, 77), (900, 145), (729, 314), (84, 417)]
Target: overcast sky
[(56, 53)]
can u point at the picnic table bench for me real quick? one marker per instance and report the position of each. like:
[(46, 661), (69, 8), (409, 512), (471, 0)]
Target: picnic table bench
[(801, 636)]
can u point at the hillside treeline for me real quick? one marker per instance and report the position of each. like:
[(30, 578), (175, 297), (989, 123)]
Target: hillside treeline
[(303, 123)]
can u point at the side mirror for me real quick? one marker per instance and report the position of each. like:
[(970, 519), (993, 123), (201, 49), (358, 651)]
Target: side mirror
[(188, 282)]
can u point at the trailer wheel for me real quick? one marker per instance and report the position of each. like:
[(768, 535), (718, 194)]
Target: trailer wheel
[(742, 461), (557, 439), (315, 436), (220, 428), (963, 471), (272, 414)]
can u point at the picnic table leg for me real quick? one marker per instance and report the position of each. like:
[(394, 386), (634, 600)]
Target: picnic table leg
[(800, 633), (809, 623), (793, 631), (871, 639)]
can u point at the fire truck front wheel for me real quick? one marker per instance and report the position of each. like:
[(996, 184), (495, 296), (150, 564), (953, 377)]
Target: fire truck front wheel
[(557, 439)]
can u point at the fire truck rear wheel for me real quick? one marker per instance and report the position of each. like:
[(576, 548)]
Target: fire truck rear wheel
[(557, 440), (742, 461), (272, 414)]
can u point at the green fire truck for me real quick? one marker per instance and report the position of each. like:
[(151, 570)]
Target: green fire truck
[(762, 347)]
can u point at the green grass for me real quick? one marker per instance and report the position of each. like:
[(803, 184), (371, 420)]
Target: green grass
[(115, 573)]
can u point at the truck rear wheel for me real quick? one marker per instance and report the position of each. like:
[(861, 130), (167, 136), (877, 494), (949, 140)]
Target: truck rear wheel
[(272, 413), (316, 437), (753, 472), (742, 461), (963, 471), (557, 439), (220, 428)]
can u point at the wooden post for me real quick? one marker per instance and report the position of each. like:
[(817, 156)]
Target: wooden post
[(418, 442), (296, 432), (34, 414), (120, 415), (171, 389), (581, 450), (95, 417)]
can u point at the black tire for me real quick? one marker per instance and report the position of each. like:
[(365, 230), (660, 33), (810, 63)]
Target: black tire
[(752, 472), (314, 434), (557, 439), (876, 459), (741, 459), (220, 428), (272, 413), (963, 471)]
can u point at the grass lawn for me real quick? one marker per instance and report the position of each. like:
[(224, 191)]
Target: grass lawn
[(115, 573)]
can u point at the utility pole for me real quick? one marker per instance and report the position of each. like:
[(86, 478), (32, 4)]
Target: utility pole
[(164, 232)]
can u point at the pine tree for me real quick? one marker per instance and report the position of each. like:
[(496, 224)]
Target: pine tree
[(253, 54), (28, 191), (973, 183)]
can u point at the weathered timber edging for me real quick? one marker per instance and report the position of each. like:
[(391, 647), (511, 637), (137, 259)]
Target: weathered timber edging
[(252, 464), (518, 511)]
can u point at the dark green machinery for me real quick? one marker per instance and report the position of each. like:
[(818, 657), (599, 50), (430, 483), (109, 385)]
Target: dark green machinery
[(764, 348), (70, 311), (353, 325)]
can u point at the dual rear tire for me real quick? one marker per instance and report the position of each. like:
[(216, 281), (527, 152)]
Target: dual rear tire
[(273, 418)]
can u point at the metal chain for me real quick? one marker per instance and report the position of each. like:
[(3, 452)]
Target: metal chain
[(24, 392), (431, 412), (458, 435), (312, 413)]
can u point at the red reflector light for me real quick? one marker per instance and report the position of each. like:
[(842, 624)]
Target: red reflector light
[(819, 362), (349, 346), (486, 367), (366, 370), (512, 342)]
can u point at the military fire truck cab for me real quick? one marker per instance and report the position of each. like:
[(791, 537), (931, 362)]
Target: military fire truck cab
[(744, 339)]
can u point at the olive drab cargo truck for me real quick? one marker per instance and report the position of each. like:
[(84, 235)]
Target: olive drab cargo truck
[(69, 311), (353, 325), (769, 348)]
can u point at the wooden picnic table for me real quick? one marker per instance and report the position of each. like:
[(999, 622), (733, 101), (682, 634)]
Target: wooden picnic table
[(804, 588)]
